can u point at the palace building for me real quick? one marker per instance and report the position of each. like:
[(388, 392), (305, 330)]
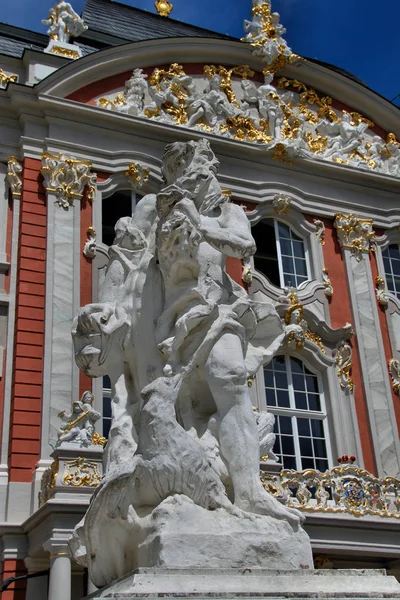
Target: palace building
[(311, 154)]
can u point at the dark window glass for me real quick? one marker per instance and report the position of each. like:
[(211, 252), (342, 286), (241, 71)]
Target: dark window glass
[(266, 257), (113, 208)]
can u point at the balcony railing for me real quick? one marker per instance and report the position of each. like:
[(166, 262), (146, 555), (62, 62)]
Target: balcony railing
[(343, 489)]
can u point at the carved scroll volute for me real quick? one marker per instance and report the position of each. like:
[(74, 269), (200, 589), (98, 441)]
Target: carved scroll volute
[(344, 366), (354, 234), (394, 370), (14, 175), (67, 178)]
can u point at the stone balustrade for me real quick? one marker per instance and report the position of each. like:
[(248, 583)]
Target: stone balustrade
[(343, 489)]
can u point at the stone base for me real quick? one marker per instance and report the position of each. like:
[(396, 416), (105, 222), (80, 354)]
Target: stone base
[(245, 583), (180, 534), (63, 49)]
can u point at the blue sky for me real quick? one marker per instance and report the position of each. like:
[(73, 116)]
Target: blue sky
[(341, 32)]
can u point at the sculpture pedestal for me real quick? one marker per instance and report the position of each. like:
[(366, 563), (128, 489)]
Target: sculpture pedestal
[(260, 583), (63, 49)]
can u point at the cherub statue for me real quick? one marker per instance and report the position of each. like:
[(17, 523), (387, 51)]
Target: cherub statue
[(210, 105), (63, 22), (344, 137), (135, 89), (78, 426)]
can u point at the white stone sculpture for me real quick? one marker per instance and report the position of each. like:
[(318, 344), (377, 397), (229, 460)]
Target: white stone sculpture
[(134, 94), (90, 247), (14, 175), (344, 138), (78, 426), (64, 22), (265, 425), (179, 340), (210, 105)]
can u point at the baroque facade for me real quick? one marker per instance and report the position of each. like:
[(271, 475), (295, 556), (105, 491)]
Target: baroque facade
[(310, 153)]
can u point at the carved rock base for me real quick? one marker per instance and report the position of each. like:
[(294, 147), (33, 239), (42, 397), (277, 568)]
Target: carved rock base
[(261, 583), (180, 534)]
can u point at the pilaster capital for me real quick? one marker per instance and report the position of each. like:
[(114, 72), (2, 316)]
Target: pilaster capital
[(34, 564), (66, 177), (14, 175), (354, 234), (57, 546), (15, 545)]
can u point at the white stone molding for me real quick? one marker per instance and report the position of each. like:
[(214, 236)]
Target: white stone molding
[(354, 234), (328, 291), (394, 370), (67, 177), (90, 248), (380, 291), (14, 175), (344, 366), (4, 198)]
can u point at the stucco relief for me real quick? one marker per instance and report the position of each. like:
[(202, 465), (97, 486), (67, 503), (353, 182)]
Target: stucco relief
[(283, 116)]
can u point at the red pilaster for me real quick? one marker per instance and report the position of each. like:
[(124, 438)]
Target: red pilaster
[(17, 590), (26, 403)]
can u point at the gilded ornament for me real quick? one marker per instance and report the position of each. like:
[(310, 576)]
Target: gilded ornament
[(14, 175), (163, 7), (344, 366), (98, 440), (67, 52), (380, 291), (67, 178), (317, 144), (64, 22), (81, 472), (119, 100), (225, 75), (4, 78), (280, 153), (394, 370), (343, 489), (245, 129), (315, 339), (355, 234), (138, 174), (328, 287), (48, 482), (173, 85)]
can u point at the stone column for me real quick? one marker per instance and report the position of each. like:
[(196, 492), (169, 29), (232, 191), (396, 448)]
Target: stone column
[(37, 586), (60, 570)]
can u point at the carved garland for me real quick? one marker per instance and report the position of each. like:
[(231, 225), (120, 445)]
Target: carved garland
[(355, 234), (344, 366)]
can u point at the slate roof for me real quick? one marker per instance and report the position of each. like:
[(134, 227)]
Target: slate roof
[(133, 24)]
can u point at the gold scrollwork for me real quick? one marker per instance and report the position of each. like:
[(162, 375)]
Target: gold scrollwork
[(81, 472), (67, 52), (137, 174), (98, 440), (355, 234), (67, 178)]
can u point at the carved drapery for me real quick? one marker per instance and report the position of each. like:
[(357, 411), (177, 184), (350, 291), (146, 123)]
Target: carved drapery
[(67, 178), (14, 175), (355, 234)]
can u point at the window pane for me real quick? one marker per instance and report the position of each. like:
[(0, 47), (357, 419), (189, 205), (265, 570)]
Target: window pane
[(271, 399), (303, 425), (298, 249), (299, 382), (288, 264), (283, 230), (312, 384), (314, 402), (321, 465), (296, 365), (285, 425), (317, 428), (287, 444), (268, 378), (391, 262), (289, 462), (283, 398), (113, 208), (308, 463), (305, 446), (319, 448), (266, 257), (301, 400), (281, 380), (106, 382), (301, 267), (107, 407)]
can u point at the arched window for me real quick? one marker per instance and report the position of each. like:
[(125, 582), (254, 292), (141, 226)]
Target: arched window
[(121, 204), (391, 261), (281, 254), (294, 395)]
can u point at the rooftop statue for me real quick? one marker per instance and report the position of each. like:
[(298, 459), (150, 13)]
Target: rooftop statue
[(64, 22), (179, 340)]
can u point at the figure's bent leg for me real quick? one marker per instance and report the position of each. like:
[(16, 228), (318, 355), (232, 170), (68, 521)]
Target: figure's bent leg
[(238, 436)]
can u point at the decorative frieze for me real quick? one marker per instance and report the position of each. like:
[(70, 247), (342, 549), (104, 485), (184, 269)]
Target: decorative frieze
[(138, 174), (344, 366), (343, 489), (355, 234), (380, 291), (90, 248), (328, 287), (14, 175), (67, 178), (283, 117), (394, 370)]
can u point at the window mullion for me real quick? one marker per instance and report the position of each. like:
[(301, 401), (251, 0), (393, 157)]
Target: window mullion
[(279, 254)]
